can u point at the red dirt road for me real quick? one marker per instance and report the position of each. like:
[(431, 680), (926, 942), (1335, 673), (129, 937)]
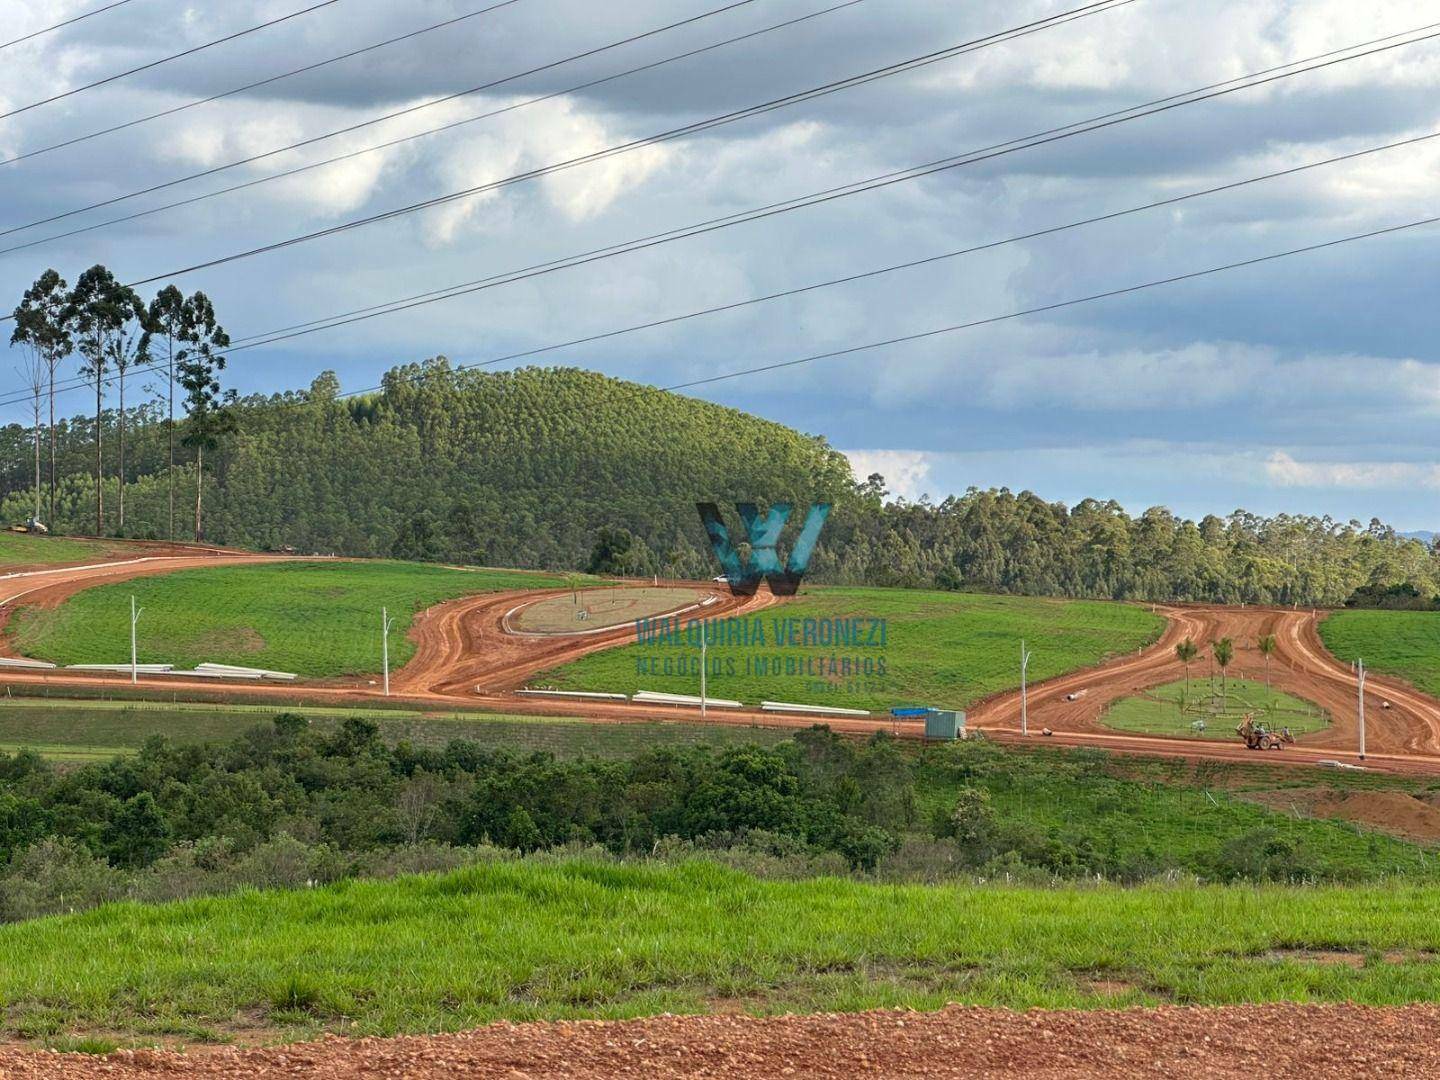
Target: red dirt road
[(1280, 1042), (466, 657)]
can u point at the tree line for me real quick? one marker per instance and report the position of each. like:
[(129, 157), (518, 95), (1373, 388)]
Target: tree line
[(564, 469), (109, 331)]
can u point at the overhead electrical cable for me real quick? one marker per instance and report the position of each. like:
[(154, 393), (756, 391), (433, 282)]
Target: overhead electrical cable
[(804, 201), (255, 85), (1058, 19), (686, 130), (419, 134), (1059, 305), (68, 22), (261, 340), (166, 59)]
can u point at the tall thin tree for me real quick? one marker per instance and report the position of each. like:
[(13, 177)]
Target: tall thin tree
[(1224, 652), (44, 321), (101, 308), (164, 323), (127, 348), (210, 414), (1267, 644), (32, 371)]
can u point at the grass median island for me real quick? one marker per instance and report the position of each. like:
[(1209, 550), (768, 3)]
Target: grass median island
[(942, 648), (315, 619), (1198, 710), (549, 939), (28, 549), (1401, 643)]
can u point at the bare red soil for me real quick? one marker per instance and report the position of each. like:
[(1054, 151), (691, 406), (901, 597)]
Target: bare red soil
[(1280, 1042), (466, 657)]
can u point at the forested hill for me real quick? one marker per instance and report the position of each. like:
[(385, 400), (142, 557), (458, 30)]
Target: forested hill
[(532, 468), (519, 468)]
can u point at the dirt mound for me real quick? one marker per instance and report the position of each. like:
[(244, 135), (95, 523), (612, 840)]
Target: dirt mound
[(1393, 811), (1306, 1042)]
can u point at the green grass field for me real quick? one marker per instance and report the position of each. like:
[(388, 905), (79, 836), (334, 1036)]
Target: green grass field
[(540, 939), (96, 730), (316, 619), (943, 649), (24, 549), (1401, 643), (1176, 708)]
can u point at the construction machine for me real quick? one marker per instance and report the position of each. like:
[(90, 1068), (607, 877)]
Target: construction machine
[(1259, 736)]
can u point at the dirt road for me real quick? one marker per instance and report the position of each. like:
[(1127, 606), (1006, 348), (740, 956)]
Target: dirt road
[(1281, 1042), (466, 657), (1301, 666)]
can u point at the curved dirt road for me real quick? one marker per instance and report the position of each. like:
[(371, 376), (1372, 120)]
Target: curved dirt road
[(463, 647), (1301, 666), (466, 656)]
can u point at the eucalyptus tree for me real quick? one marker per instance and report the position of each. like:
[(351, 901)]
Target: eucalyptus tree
[(210, 413), (164, 326), (128, 347), (43, 323), (100, 307)]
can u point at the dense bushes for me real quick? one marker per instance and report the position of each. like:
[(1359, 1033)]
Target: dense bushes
[(286, 805)]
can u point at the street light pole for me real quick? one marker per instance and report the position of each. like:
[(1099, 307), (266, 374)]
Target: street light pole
[(1360, 710), (1024, 701), (134, 618), (385, 623), (702, 671)]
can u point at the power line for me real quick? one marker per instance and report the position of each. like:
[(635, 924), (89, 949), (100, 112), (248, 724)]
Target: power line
[(1006, 317), (166, 59), (1051, 230), (68, 22), (814, 93), (254, 85), (432, 131), (797, 203), (349, 129), (875, 183), (1057, 306)]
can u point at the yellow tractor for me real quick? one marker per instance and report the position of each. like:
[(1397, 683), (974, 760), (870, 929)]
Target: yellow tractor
[(1258, 736)]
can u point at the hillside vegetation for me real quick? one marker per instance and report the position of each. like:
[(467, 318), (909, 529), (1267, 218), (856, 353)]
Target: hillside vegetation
[(942, 649), (525, 468), (312, 618), (26, 549), (528, 940), (1401, 643)]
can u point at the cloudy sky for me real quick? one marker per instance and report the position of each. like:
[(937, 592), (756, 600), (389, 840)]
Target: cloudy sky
[(1309, 384)]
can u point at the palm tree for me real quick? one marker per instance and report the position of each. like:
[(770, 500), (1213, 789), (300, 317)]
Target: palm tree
[(1224, 651), (1267, 646), (1185, 652)]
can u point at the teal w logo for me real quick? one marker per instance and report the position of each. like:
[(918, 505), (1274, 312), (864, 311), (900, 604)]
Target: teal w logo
[(763, 533)]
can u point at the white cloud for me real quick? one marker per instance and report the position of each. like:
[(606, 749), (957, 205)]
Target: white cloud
[(905, 471), (1284, 470)]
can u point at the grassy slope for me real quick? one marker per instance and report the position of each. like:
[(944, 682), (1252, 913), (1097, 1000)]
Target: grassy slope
[(81, 731), (23, 549), (526, 940), (1142, 816), (312, 618), (1157, 711), (944, 649), (1403, 643)]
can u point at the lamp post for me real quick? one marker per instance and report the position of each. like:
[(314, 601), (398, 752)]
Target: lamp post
[(702, 670), (385, 623), (1024, 700), (135, 614), (1360, 705)]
